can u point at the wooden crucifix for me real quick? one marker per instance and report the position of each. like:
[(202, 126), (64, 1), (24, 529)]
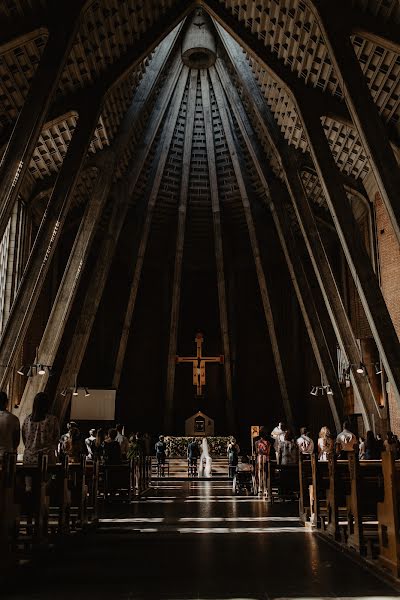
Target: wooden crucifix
[(199, 364)]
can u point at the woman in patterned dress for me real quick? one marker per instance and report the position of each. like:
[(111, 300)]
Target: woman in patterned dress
[(40, 431)]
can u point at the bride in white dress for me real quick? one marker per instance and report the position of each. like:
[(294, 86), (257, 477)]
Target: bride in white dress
[(205, 469)]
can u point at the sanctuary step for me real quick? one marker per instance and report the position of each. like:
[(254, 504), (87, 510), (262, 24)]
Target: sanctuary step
[(177, 468)]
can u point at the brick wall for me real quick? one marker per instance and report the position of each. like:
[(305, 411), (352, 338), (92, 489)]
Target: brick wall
[(389, 261)]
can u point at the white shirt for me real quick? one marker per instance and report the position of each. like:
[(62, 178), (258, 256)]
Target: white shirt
[(9, 431), (305, 444), (276, 432), (346, 440)]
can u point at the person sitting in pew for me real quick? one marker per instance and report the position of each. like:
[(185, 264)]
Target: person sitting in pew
[(325, 444), (9, 428), (40, 431), (305, 443), (346, 441), (112, 449)]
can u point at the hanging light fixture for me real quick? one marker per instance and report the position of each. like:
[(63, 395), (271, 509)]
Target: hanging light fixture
[(378, 368), (314, 391), (361, 369), (41, 370), (329, 390), (21, 370)]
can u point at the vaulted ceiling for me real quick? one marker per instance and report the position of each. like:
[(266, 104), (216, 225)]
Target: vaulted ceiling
[(114, 45)]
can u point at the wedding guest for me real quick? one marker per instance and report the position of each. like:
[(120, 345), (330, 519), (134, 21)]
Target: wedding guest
[(73, 445), (112, 449), (361, 448), (325, 444), (305, 443), (122, 440), (371, 447), (40, 431), (233, 455), (99, 444), (278, 434), (90, 443), (379, 445), (288, 450), (9, 428), (161, 449), (346, 441)]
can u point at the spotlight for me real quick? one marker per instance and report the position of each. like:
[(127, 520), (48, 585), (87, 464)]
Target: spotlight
[(75, 392), (361, 369), (64, 392), (329, 390), (314, 391), (21, 370), (86, 392), (378, 368), (41, 370)]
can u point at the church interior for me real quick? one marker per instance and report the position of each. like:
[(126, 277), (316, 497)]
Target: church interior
[(199, 236)]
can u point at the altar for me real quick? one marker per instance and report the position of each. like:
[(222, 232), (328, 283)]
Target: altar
[(177, 445)]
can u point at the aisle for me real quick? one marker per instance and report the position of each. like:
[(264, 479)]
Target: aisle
[(193, 541)]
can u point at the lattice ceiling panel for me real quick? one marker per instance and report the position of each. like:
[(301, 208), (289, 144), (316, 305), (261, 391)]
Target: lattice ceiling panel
[(109, 28), (52, 147), (384, 9), (53, 144), (17, 68), (289, 29), (381, 68), (346, 147), (19, 8)]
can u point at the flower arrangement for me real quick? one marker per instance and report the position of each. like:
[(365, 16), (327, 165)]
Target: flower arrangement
[(177, 446)]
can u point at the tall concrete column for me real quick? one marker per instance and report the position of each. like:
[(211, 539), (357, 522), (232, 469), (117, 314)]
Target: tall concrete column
[(47, 238), (24, 137)]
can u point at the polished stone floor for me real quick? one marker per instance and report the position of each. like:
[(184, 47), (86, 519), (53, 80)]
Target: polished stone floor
[(196, 541)]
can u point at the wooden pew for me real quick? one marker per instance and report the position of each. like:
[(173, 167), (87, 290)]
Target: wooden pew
[(336, 496), (8, 513), (318, 491), (59, 497), (366, 490), (78, 491), (92, 483), (33, 503), (305, 481), (389, 516)]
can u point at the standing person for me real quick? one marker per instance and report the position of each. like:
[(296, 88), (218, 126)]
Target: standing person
[(288, 450), (390, 443), (122, 440), (371, 447), (305, 443), (9, 428), (161, 449), (379, 445), (361, 448), (278, 434), (64, 438), (40, 431), (193, 453), (147, 443), (112, 449), (205, 460), (346, 441), (263, 449), (135, 447), (233, 456), (90, 443), (73, 445), (99, 444), (325, 444)]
